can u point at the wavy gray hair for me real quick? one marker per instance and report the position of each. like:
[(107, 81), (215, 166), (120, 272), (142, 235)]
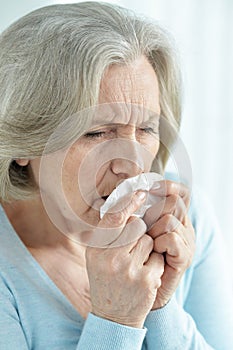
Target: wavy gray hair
[(51, 65)]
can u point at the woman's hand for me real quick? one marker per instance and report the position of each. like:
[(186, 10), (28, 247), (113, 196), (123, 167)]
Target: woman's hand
[(124, 279), (173, 236)]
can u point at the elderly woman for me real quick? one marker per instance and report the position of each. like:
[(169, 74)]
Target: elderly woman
[(88, 92)]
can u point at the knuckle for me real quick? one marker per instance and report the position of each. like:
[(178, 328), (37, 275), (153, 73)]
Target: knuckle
[(168, 221), (114, 264), (185, 190), (179, 270), (134, 229), (158, 276), (175, 198), (171, 186), (168, 217), (174, 238), (177, 187), (148, 278), (171, 203), (148, 240), (131, 272), (139, 224), (152, 279), (158, 282), (115, 219), (168, 184)]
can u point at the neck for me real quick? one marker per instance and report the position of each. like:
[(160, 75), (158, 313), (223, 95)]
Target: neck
[(37, 232)]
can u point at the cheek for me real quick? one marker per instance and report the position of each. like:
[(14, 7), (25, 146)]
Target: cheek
[(79, 178), (154, 147), (151, 143), (69, 171), (101, 171)]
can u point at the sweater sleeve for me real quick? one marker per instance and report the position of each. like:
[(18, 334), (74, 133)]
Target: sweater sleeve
[(204, 318), (102, 334), (97, 334), (172, 328)]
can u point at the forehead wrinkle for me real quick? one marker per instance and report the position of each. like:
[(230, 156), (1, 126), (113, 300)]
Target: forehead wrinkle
[(129, 118), (134, 84), (123, 88), (128, 96)]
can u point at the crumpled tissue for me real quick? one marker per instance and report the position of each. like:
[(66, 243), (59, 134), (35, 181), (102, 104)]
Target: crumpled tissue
[(145, 182)]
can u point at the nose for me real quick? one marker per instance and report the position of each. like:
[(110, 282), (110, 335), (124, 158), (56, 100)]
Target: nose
[(130, 161), (125, 168)]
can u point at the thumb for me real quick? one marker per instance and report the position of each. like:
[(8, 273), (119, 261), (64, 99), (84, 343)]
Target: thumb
[(114, 221)]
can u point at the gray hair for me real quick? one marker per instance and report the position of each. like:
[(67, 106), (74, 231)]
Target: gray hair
[(51, 65)]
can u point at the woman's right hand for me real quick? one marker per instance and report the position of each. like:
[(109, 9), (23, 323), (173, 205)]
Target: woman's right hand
[(124, 278)]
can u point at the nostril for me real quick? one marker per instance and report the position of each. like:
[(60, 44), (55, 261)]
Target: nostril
[(125, 167)]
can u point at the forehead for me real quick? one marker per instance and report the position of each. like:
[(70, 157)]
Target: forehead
[(135, 83), (123, 113)]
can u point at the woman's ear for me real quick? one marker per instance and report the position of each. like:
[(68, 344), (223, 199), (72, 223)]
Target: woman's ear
[(22, 162)]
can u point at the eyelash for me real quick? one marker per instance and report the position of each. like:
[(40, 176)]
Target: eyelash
[(149, 130), (99, 134), (92, 135)]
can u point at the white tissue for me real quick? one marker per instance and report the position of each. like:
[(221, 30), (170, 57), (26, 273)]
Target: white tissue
[(145, 181)]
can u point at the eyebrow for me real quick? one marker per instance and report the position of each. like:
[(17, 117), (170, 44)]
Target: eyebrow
[(102, 122)]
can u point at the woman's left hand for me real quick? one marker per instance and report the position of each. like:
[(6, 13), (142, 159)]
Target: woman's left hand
[(173, 235)]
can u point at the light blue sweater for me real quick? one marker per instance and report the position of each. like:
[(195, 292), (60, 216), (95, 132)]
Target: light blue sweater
[(34, 314)]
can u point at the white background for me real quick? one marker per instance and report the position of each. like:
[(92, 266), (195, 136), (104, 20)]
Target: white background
[(204, 34)]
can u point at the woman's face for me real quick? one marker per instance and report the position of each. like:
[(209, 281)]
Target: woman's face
[(122, 142)]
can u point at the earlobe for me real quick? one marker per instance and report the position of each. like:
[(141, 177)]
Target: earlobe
[(22, 162)]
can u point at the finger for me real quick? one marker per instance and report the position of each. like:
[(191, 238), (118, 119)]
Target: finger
[(155, 265), (169, 223), (189, 233), (166, 223), (118, 215), (109, 229), (165, 188), (172, 204), (135, 228), (177, 252), (142, 249)]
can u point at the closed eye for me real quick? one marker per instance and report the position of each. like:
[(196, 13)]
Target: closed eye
[(98, 134), (149, 130), (95, 134)]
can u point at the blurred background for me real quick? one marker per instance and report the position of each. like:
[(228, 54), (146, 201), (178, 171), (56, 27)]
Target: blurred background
[(203, 31)]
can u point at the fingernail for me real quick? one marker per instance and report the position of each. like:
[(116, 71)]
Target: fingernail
[(140, 195)]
